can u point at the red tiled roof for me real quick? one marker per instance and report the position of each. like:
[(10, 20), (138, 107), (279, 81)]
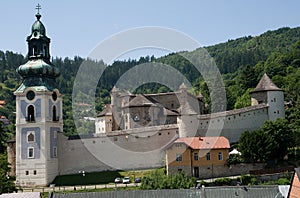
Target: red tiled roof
[(205, 142)]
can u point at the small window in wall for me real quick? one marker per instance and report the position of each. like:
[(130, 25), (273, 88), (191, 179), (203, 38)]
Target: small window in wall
[(30, 137), (34, 172), (30, 152), (196, 157), (136, 118), (178, 157), (30, 113), (54, 151), (220, 156), (207, 156), (26, 172), (274, 99)]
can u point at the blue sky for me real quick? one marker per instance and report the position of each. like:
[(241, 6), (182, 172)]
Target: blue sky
[(76, 27)]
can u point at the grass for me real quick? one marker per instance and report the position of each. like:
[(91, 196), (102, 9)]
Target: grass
[(92, 178)]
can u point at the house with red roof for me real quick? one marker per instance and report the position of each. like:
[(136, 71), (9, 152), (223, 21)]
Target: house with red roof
[(295, 186), (197, 156)]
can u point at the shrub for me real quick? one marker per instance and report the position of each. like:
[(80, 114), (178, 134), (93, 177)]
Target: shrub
[(222, 181)]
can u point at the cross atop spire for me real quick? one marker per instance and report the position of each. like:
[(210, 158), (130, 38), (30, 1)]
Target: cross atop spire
[(38, 8)]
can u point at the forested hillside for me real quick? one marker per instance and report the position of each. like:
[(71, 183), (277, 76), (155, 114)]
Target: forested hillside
[(242, 62)]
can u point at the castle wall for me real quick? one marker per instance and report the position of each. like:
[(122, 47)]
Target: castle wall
[(230, 124), (135, 149)]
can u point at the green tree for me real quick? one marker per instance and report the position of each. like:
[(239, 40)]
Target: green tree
[(282, 134), (6, 132), (158, 180), (268, 143), (244, 100), (255, 146), (7, 184)]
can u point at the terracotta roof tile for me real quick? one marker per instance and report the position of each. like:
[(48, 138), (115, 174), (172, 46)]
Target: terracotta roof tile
[(205, 142)]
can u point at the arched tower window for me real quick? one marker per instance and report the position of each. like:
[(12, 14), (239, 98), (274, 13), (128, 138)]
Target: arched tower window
[(45, 51), (54, 115), (30, 113), (35, 52)]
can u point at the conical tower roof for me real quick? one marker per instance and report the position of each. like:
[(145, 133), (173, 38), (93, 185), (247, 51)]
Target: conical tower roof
[(266, 84)]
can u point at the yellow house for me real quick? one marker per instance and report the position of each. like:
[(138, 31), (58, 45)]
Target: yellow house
[(201, 157)]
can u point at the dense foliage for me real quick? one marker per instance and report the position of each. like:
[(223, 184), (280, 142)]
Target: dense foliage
[(158, 180), (270, 142), (6, 182)]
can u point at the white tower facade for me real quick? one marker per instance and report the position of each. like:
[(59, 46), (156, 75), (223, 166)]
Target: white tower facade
[(38, 113), (266, 92)]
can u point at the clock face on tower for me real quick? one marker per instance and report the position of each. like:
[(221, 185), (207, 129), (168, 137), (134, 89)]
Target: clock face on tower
[(54, 96), (30, 95)]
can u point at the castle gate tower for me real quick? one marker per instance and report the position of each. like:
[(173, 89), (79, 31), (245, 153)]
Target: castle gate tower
[(38, 113)]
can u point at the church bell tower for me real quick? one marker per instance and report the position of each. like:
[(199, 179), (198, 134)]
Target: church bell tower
[(38, 113)]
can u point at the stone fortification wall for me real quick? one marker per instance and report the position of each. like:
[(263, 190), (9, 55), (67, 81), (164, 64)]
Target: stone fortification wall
[(230, 124), (133, 149)]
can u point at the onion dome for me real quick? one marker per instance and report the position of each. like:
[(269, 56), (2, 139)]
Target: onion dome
[(38, 68), (38, 71), (38, 27)]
